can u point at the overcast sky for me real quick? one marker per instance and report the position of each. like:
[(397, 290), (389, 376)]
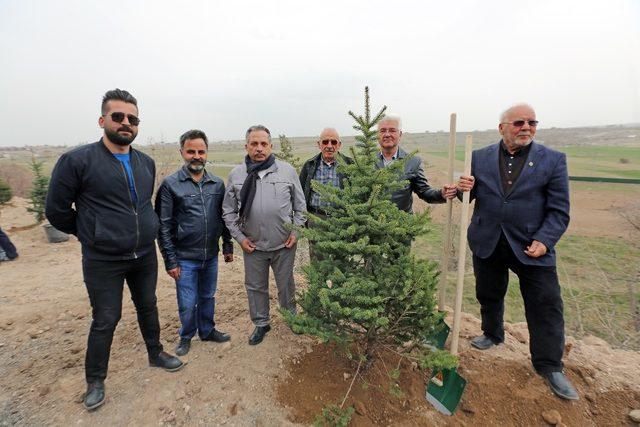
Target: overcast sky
[(298, 66)]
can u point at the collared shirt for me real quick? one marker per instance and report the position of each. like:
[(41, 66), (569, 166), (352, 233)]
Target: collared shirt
[(386, 162), (511, 165), (326, 173)]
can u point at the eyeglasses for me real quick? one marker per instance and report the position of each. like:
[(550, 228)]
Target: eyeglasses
[(329, 141), (387, 130), (520, 123), (118, 117)]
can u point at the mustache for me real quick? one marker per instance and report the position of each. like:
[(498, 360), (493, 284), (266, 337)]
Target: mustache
[(125, 129)]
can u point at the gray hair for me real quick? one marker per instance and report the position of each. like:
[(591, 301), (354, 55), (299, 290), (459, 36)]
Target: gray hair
[(505, 113), (256, 128), (392, 118)]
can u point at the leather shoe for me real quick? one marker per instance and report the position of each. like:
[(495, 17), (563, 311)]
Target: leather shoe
[(183, 347), (166, 361), (94, 396), (561, 385), (258, 334), (217, 336), (482, 342)]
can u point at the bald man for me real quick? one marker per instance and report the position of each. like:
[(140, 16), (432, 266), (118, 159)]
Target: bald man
[(323, 169), (521, 211)]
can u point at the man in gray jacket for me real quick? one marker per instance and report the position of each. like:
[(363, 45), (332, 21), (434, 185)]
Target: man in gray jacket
[(262, 197), (389, 135)]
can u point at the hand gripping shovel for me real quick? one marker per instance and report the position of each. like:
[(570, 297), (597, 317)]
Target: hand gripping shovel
[(446, 386), (438, 335)]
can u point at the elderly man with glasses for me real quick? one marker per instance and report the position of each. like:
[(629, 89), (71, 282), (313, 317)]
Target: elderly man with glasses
[(389, 136), (323, 169), (521, 190)]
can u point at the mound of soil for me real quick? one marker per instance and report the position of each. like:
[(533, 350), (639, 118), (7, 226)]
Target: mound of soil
[(499, 392)]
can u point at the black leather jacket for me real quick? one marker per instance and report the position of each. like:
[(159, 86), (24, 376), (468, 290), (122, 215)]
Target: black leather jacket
[(105, 220), (191, 221), (414, 173), (309, 170)]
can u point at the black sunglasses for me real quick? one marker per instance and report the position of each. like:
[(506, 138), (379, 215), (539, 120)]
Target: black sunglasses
[(329, 141), (520, 123), (118, 117)]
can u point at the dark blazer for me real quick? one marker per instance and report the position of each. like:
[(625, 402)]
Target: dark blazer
[(190, 217), (536, 208), (89, 197), (414, 173), (308, 171)]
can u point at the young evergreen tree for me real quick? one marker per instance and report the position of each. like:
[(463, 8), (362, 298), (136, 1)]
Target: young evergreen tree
[(368, 289), (5, 192), (287, 153), (38, 193)]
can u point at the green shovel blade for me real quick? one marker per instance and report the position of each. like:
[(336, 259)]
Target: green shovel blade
[(438, 335), (445, 389)]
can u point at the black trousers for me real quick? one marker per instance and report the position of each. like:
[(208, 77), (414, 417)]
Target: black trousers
[(105, 281), (542, 302), (7, 246)]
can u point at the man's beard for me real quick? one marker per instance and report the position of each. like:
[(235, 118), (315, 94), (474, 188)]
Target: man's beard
[(116, 138), (195, 166)]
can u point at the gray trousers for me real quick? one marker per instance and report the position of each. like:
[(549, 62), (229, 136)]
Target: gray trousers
[(256, 280)]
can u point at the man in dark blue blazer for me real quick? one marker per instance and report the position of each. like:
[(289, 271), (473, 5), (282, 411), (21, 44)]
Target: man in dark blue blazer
[(521, 189)]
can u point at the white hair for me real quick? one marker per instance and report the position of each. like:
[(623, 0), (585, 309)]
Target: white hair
[(392, 118), (505, 113), (330, 129)]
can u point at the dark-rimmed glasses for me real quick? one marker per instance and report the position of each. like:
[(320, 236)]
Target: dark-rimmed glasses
[(118, 117), (520, 123), (329, 141)]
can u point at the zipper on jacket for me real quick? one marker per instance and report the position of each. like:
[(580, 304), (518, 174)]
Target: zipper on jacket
[(133, 207), (204, 211)]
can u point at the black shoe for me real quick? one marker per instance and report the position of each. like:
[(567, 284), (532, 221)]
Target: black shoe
[(561, 385), (183, 346), (217, 336), (482, 342), (258, 334), (94, 396), (166, 361)]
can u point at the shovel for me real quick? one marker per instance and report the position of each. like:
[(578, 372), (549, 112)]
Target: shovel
[(438, 336), (446, 386)]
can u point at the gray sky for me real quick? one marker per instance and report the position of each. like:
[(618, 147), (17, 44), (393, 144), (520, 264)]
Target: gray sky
[(298, 66)]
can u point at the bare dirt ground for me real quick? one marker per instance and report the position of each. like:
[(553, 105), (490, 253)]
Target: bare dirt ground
[(45, 316)]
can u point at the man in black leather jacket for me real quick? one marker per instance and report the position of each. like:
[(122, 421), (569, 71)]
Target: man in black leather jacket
[(389, 135), (101, 193), (189, 205)]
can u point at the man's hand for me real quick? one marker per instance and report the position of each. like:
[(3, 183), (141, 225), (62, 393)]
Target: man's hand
[(228, 257), (174, 273), (536, 249), (248, 246), (449, 191), (466, 183), (290, 241)]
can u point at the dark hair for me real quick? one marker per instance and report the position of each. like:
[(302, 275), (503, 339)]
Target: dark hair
[(255, 128), (117, 95), (193, 134)]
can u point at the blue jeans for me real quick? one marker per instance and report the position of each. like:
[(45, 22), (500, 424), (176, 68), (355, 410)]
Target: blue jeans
[(195, 289)]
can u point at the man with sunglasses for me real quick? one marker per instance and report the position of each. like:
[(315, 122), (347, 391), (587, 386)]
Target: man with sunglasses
[(389, 136), (189, 206), (101, 193), (521, 190), (323, 169)]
